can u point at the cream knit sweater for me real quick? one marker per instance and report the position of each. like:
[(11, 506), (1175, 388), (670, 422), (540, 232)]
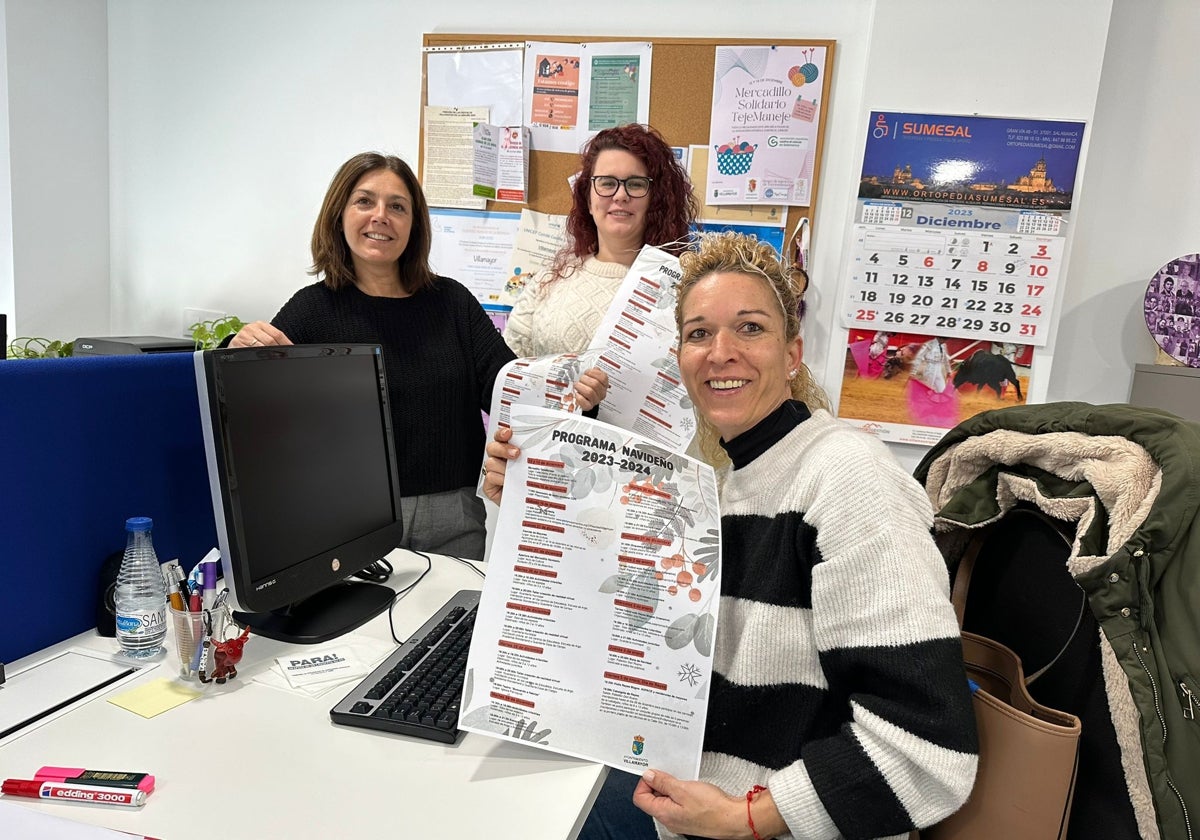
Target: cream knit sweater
[(563, 317)]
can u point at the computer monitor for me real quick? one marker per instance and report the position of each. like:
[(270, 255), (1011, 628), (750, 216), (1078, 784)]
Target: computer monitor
[(302, 470)]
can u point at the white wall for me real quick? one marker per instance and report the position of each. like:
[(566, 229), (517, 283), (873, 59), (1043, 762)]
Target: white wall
[(7, 303), (229, 118), (1021, 58), (57, 166), (1139, 208)]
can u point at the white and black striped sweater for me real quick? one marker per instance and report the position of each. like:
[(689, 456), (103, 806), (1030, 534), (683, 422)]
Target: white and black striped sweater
[(838, 680)]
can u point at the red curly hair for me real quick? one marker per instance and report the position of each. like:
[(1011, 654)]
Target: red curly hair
[(673, 206)]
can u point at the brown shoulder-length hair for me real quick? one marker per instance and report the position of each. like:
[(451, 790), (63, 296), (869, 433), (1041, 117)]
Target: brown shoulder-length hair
[(673, 206), (738, 253), (331, 253)]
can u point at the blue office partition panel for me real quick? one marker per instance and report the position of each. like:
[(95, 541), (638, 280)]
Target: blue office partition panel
[(86, 443)]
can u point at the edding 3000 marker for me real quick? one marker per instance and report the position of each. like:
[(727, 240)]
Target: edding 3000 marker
[(72, 792)]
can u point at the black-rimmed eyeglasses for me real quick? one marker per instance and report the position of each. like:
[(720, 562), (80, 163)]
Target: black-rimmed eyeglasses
[(636, 186)]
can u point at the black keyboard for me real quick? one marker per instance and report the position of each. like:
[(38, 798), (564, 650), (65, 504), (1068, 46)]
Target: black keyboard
[(418, 688)]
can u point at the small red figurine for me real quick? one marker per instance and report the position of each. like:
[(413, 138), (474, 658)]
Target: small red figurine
[(225, 655)]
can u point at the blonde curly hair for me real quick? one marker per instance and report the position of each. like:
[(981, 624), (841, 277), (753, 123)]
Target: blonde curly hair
[(713, 253)]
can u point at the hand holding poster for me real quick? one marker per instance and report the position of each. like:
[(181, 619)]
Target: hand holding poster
[(595, 631), (544, 381), (541, 382)]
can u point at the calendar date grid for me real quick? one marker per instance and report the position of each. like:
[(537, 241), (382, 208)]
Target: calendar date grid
[(974, 286)]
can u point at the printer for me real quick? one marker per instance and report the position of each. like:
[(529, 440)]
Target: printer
[(126, 345)]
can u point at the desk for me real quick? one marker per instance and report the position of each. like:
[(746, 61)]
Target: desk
[(250, 761)]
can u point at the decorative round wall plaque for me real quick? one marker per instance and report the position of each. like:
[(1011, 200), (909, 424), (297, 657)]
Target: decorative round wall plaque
[(1172, 308)]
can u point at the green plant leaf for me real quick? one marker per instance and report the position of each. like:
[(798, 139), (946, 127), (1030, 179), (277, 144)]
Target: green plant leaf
[(209, 334), (34, 347)]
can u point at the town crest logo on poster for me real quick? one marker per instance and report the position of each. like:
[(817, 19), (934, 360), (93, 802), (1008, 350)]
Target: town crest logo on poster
[(639, 743)]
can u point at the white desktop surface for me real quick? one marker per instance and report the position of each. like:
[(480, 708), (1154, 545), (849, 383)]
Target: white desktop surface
[(250, 761)]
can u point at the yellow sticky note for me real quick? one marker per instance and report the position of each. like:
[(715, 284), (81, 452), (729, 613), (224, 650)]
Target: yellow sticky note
[(155, 697)]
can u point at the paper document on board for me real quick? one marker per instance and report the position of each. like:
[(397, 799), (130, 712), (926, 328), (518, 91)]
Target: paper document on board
[(614, 84), (638, 338), (473, 246), (595, 630), (477, 75), (501, 162), (551, 95), (448, 155), (539, 238), (765, 119)]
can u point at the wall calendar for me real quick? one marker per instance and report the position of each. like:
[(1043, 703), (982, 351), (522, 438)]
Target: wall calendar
[(954, 265)]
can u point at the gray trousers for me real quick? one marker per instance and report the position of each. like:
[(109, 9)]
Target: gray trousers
[(453, 522)]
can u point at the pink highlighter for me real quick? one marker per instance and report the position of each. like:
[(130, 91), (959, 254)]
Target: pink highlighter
[(104, 778)]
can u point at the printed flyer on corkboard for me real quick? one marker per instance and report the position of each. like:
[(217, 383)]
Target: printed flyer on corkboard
[(763, 127)]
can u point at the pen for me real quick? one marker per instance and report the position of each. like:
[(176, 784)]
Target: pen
[(210, 582), (200, 647), (170, 571), (185, 594), (200, 661), (71, 792)]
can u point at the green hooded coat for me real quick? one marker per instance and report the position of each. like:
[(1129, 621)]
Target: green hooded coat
[(1129, 481)]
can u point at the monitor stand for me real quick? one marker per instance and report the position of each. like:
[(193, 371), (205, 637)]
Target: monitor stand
[(326, 615)]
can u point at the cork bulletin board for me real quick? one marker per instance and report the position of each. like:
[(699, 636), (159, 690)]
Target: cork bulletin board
[(681, 91)]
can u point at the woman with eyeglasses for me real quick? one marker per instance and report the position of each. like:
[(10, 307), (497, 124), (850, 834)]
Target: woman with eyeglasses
[(630, 191)]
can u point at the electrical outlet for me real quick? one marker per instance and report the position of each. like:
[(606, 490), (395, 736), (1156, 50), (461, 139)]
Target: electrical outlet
[(195, 316)]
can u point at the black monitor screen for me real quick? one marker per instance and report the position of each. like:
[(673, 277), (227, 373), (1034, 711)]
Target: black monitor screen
[(312, 474), (302, 470)]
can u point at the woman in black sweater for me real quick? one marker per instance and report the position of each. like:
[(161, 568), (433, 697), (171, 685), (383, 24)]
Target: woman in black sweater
[(370, 245)]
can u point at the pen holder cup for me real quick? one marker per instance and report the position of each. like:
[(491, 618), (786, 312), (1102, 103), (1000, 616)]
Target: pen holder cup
[(189, 633)]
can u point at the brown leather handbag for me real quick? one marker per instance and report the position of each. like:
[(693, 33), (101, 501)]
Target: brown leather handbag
[(1028, 753)]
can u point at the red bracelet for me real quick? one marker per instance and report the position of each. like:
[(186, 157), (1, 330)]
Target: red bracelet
[(750, 794)]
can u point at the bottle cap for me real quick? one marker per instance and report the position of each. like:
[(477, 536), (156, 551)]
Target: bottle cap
[(139, 523), (20, 787)]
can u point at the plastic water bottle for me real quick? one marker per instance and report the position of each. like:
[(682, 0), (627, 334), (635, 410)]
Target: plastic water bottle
[(141, 593)]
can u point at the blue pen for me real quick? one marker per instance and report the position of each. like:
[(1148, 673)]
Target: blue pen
[(199, 650)]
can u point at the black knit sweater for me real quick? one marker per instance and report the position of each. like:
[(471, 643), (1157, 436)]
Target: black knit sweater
[(442, 354)]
